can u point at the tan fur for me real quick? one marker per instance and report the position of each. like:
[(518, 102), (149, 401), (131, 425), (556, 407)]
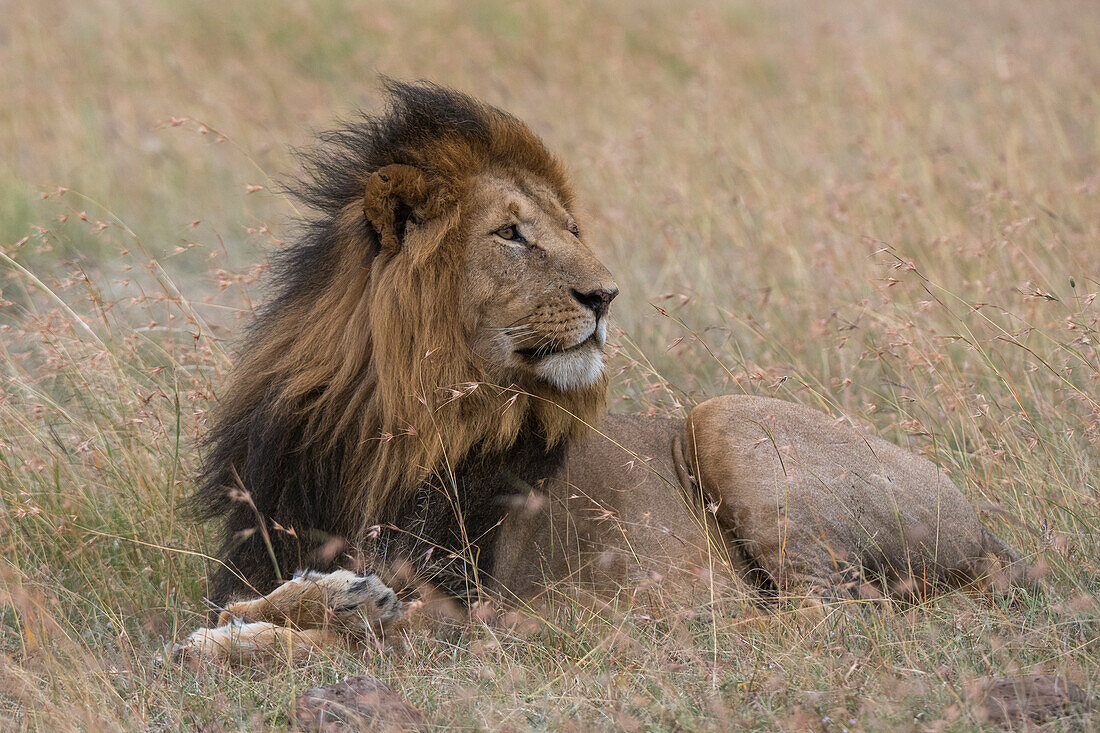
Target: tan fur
[(252, 642), (315, 600), (444, 315), (788, 496), (805, 497), (309, 612)]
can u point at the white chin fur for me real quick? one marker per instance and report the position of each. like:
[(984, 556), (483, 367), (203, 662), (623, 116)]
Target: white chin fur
[(572, 369)]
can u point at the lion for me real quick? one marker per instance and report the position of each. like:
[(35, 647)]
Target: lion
[(427, 386)]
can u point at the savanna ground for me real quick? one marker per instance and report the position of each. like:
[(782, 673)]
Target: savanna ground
[(886, 212)]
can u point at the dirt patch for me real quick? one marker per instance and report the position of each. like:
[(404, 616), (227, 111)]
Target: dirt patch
[(358, 703), (1016, 701)]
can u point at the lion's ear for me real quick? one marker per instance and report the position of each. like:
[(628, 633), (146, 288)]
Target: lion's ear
[(394, 194)]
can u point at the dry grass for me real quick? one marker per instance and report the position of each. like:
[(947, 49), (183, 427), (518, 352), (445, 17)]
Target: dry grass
[(892, 212)]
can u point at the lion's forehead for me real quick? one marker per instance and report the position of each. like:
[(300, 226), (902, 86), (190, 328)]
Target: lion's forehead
[(522, 194)]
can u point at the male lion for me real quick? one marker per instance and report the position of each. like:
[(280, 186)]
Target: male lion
[(428, 385)]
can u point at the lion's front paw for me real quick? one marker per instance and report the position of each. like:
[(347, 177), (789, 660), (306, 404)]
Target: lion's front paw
[(313, 600), (354, 599), (310, 611)]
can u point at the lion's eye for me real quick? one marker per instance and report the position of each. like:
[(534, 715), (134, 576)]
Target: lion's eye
[(510, 233), (574, 229)]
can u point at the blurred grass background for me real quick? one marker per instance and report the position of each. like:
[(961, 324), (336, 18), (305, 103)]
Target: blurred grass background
[(886, 211)]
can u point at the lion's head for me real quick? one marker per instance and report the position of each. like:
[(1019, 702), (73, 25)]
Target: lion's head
[(535, 297), (442, 301)]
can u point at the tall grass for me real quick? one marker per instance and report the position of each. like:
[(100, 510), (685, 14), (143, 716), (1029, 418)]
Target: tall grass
[(891, 213)]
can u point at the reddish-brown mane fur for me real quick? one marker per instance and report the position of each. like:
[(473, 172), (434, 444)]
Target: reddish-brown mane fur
[(342, 401)]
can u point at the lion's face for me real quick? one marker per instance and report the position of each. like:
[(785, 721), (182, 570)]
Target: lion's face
[(536, 297)]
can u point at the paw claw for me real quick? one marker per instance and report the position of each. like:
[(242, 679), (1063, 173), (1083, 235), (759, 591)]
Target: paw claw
[(361, 596)]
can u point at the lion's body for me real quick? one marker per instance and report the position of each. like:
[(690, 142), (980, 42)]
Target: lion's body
[(794, 498), (428, 384), (616, 510)]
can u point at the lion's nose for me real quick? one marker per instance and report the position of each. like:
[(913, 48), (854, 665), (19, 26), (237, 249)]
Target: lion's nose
[(597, 300)]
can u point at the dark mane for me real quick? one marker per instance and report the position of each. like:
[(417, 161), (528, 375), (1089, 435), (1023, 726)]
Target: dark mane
[(311, 442)]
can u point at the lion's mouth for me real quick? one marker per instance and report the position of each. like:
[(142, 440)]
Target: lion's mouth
[(556, 347)]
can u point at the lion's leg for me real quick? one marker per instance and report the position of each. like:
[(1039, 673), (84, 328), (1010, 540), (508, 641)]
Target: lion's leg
[(811, 499), (245, 642), (311, 600), (746, 491), (789, 567), (786, 486), (310, 611)]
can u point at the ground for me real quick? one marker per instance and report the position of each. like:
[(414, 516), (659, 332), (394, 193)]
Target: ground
[(891, 213)]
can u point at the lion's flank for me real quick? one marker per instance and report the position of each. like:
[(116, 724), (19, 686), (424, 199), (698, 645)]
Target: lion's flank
[(356, 381)]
